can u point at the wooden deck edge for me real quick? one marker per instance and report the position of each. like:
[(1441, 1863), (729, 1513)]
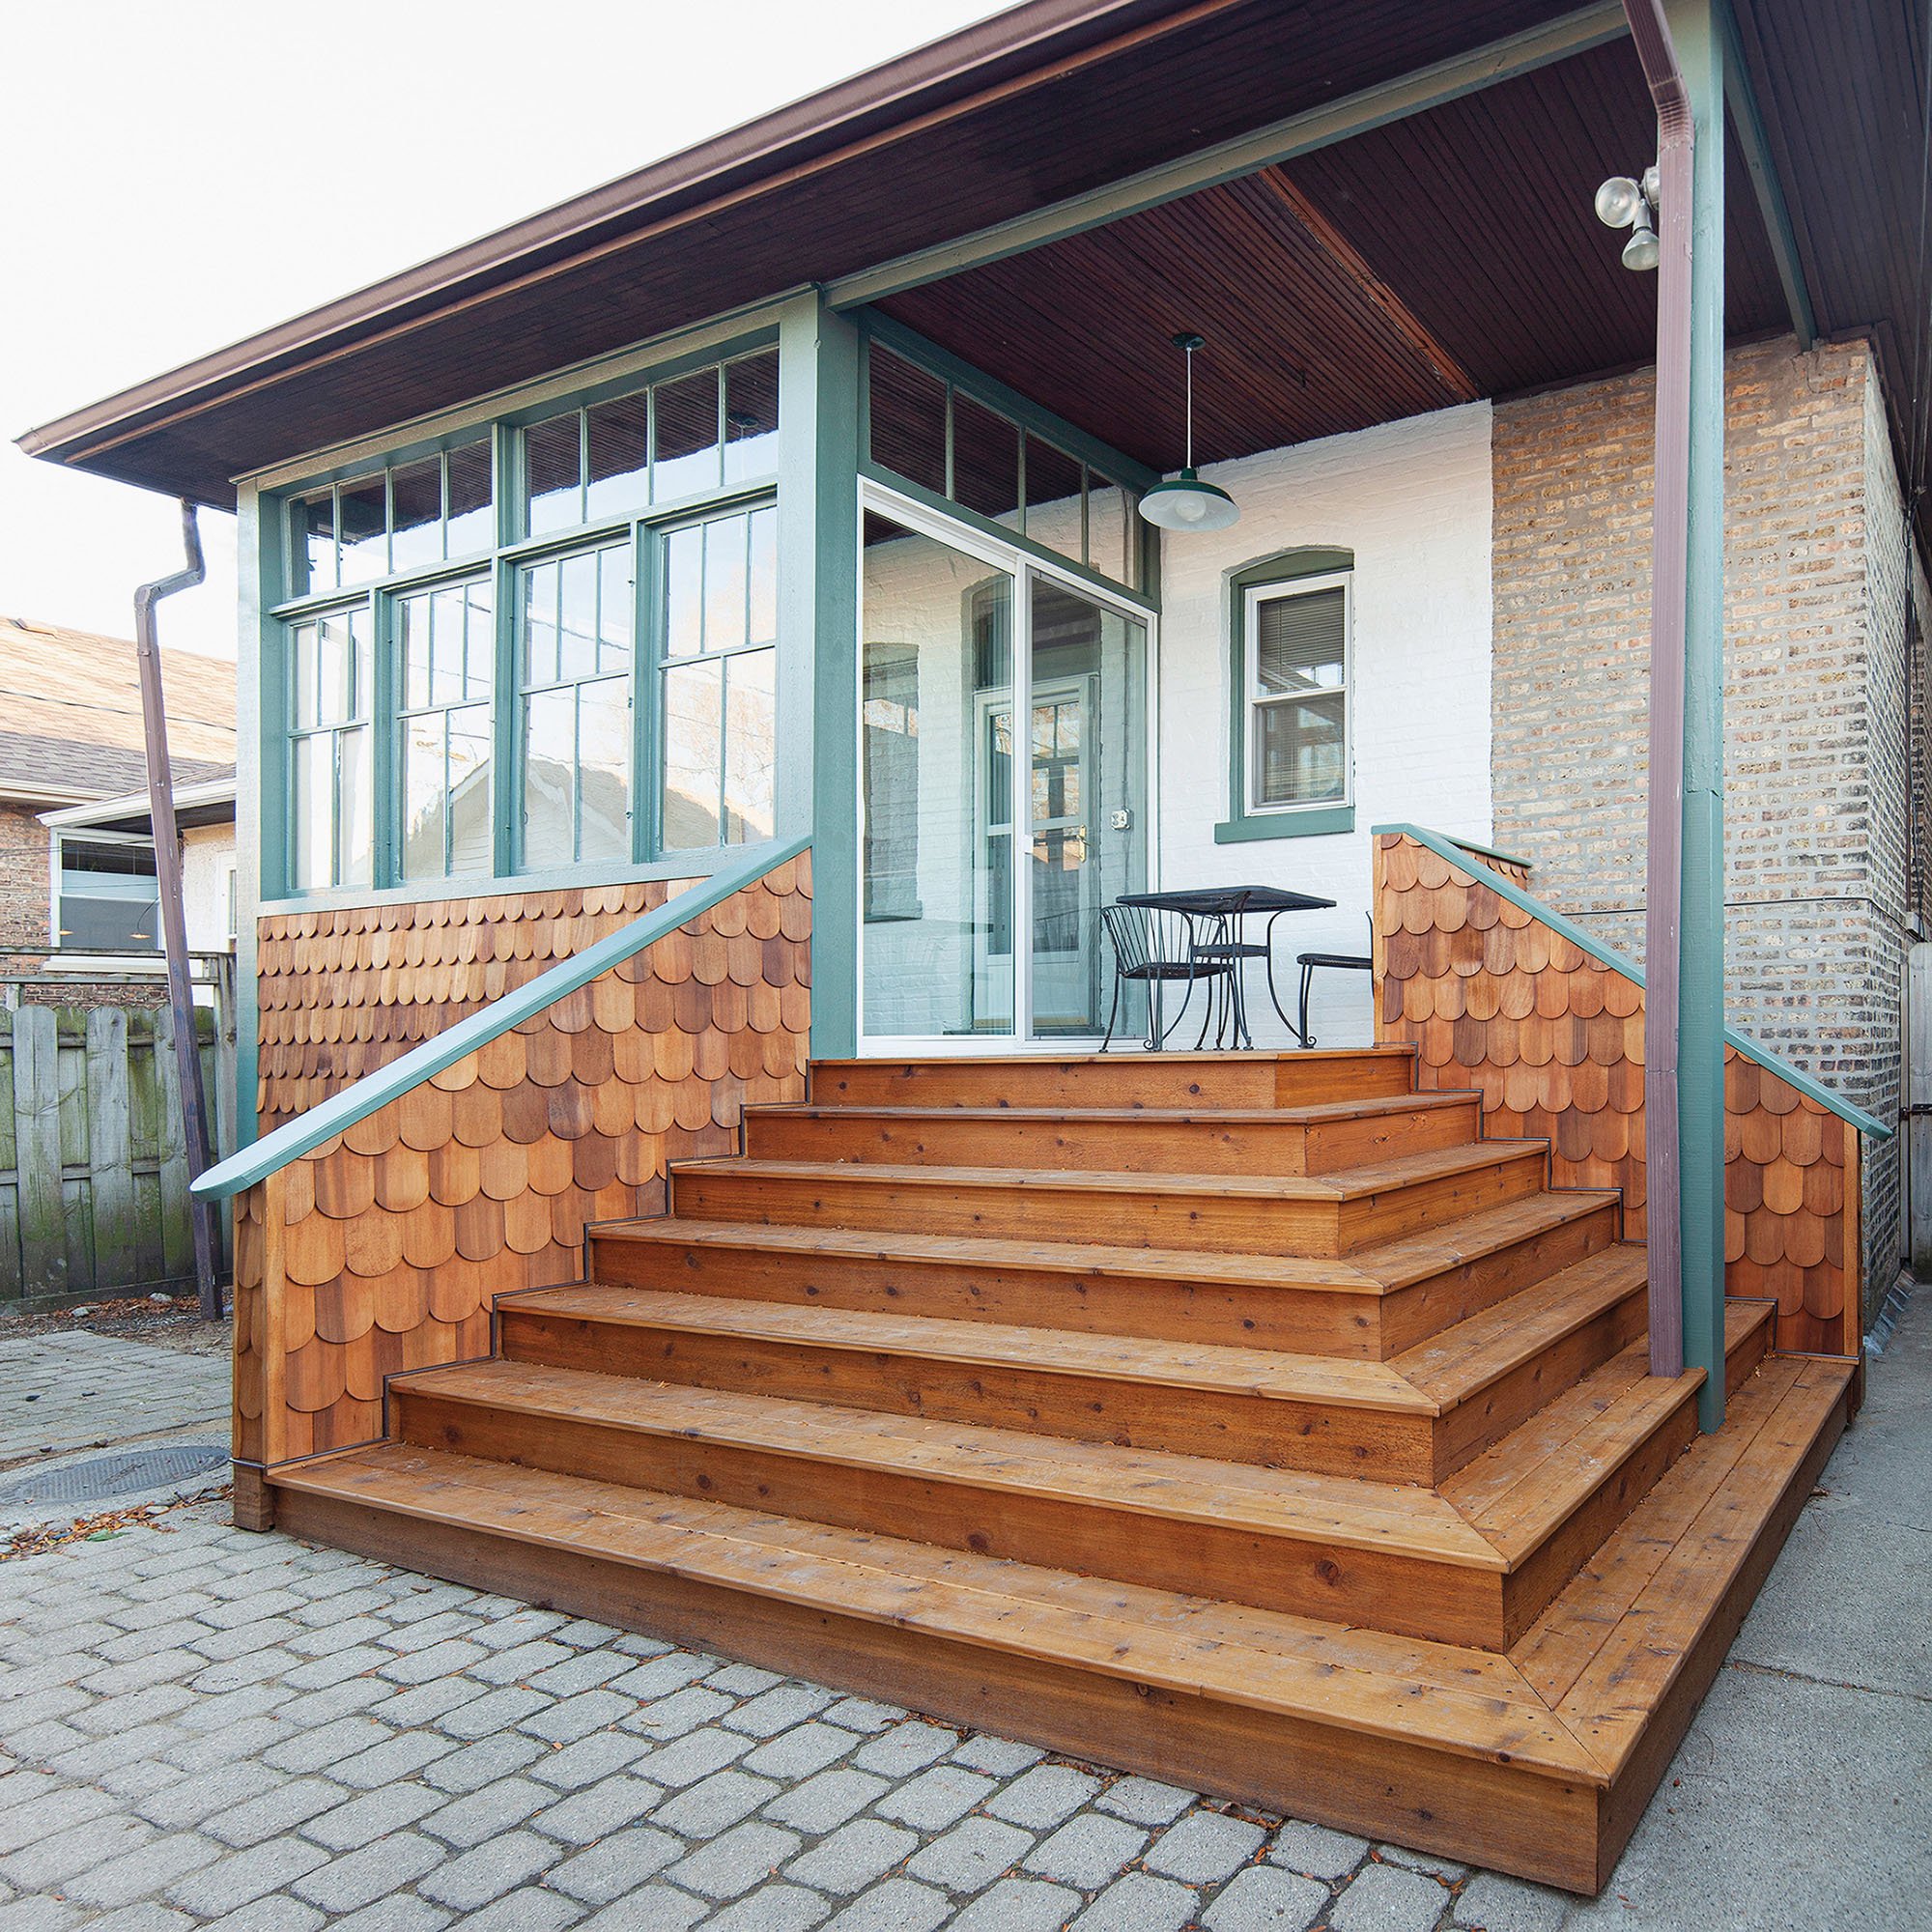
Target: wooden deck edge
[(1505, 1816), (1635, 1781)]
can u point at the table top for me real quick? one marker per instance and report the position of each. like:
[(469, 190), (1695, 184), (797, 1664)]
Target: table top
[(1227, 901)]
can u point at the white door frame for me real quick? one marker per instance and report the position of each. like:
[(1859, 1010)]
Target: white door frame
[(1023, 564)]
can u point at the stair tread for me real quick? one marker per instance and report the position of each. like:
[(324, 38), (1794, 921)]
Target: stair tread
[(1516, 1490), (1348, 1511), (1441, 1696), (1258, 1371), (1478, 1352), (1604, 1652), (1350, 1183), (1308, 1114), (1365, 1271)]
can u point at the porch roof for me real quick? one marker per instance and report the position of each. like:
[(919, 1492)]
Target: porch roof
[(1417, 261)]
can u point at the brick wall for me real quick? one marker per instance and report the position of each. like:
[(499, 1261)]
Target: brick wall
[(1819, 701), (23, 877)]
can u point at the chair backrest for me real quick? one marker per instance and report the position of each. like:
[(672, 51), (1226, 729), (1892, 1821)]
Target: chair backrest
[(1144, 936)]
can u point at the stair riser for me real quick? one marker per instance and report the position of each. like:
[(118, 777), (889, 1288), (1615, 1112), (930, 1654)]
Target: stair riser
[(1413, 1314), (1471, 1426), (1120, 1146), (1313, 1321), (1327, 1438), (1117, 1080), (1303, 1577), (1150, 1217), (1468, 1809), (1533, 1585)]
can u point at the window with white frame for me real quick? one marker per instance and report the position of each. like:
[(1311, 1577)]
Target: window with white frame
[(107, 896), (1297, 701)]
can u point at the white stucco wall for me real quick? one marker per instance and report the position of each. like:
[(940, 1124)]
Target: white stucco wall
[(1413, 500), (208, 859)]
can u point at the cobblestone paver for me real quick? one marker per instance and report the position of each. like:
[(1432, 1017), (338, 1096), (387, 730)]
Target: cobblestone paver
[(59, 1393), (204, 1727)]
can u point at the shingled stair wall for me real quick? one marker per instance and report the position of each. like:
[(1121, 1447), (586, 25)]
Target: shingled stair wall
[(1251, 1421)]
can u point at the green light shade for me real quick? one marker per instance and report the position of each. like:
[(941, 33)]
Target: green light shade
[(1186, 504)]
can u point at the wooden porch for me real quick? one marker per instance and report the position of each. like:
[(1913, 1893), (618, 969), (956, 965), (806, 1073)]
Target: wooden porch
[(1275, 1423)]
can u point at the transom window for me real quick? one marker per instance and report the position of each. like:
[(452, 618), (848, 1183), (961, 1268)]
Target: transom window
[(479, 688), (1298, 693)]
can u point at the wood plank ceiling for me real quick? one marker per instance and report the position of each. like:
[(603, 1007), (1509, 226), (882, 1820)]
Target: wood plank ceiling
[(1446, 256)]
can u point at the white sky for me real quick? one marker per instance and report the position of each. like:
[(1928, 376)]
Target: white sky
[(179, 175)]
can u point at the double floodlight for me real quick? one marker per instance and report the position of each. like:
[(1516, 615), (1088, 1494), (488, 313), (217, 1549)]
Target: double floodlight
[(1624, 203)]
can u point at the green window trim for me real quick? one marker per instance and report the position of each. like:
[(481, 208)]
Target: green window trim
[(746, 441), (1320, 818)]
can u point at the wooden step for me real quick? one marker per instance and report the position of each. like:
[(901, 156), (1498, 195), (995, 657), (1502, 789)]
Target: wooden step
[(1338, 1417), (1389, 1557), (1432, 1746), (1169, 1139), (1123, 1079), (1309, 1214), (1491, 1372), (1367, 1306), (1629, 1648), (1550, 1492)]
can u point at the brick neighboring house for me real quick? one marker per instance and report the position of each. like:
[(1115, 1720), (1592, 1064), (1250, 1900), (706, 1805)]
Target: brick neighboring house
[(76, 849)]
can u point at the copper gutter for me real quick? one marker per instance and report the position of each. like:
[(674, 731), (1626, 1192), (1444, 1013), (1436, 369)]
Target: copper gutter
[(1669, 577)]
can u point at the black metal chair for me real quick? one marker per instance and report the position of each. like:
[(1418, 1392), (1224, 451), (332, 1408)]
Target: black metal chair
[(1157, 949), (1224, 945), (1312, 963)]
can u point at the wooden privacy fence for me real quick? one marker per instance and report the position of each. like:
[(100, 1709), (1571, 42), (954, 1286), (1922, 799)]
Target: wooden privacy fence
[(383, 1248), (94, 1179), (1501, 994)]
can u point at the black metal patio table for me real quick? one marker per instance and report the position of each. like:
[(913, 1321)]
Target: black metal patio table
[(1225, 909)]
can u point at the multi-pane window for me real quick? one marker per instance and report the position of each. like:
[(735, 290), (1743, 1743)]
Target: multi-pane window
[(331, 828), (108, 898), (717, 676), (397, 518), (549, 644), (1298, 693), (575, 618), (445, 649), (677, 438), (923, 428)]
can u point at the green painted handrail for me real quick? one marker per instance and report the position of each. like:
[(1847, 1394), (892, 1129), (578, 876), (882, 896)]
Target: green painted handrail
[(1459, 856), (342, 1110)]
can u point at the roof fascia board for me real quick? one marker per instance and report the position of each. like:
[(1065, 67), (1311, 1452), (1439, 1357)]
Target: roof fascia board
[(836, 123), (1228, 160), (206, 791), (1755, 144)]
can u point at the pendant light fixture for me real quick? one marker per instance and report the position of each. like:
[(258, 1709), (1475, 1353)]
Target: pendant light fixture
[(1187, 503)]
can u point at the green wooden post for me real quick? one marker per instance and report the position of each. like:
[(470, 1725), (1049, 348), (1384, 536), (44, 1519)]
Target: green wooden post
[(261, 791), (818, 644), (1700, 1046)]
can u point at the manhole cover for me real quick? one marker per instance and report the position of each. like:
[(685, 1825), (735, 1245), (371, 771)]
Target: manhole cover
[(123, 1475)]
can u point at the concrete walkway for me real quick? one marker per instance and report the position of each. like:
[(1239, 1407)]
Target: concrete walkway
[(202, 1727)]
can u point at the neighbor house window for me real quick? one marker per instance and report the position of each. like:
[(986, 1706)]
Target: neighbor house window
[(108, 898), (575, 616), (444, 649), (549, 644), (1296, 669), (331, 776), (718, 675)]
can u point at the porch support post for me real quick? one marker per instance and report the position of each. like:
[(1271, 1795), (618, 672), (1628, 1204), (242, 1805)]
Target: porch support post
[(1700, 1046), (818, 588), (1678, 43)]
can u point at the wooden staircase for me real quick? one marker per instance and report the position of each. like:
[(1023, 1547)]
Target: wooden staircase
[(1247, 1420)]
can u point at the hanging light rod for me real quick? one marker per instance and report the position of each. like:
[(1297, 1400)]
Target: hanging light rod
[(1186, 504)]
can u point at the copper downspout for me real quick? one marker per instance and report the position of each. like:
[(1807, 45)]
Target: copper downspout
[(174, 924), (1669, 573)]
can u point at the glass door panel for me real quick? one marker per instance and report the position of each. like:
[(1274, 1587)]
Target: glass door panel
[(936, 866), (1085, 798)]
